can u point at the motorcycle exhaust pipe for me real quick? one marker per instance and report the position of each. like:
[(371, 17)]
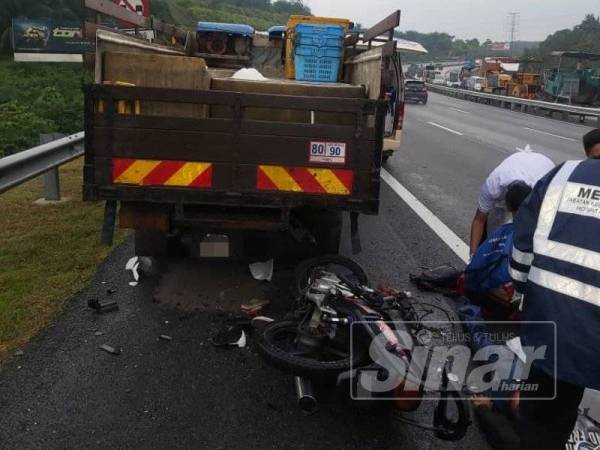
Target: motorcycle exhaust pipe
[(306, 398)]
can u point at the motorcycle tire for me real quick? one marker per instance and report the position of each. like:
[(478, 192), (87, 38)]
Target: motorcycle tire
[(299, 365), (303, 270)]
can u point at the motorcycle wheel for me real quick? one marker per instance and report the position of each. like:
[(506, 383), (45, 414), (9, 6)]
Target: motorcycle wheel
[(332, 263), (277, 345)]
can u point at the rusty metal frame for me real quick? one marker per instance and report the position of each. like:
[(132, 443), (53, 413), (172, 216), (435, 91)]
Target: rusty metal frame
[(110, 9)]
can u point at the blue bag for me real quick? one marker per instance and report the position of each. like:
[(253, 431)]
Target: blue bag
[(488, 268)]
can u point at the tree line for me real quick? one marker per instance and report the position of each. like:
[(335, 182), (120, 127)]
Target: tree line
[(584, 36)]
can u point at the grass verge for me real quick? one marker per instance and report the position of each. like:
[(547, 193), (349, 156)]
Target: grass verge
[(47, 254)]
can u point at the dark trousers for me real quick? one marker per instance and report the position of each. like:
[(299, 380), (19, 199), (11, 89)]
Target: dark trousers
[(547, 424)]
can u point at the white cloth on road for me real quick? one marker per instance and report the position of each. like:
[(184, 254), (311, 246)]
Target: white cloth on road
[(525, 166)]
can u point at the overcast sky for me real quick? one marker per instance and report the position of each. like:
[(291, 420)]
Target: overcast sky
[(466, 18)]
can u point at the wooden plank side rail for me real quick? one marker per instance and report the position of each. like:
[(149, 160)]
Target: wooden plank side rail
[(387, 25), (226, 98)]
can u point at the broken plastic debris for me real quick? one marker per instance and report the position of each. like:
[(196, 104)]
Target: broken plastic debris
[(254, 306), (108, 349), (133, 265), (231, 336), (103, 307), (255, 303), (98, 333), (241, 343), (137, 264), (19, 353), (262, 271), (164, 337)]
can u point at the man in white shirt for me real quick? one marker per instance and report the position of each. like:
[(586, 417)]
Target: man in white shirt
[(526, 166)]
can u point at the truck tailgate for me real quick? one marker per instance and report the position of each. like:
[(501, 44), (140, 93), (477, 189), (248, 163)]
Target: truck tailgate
[(132, 156)]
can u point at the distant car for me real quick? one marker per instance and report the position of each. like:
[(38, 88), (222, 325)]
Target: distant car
[(415, 91)]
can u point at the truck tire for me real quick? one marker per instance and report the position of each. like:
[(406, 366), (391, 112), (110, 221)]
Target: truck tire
[(324, 225), (328, 232), (150, 243)]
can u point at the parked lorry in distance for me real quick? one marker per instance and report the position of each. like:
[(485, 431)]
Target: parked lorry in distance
[(475, 83), (574, 80), (452, 78), (187, 153)]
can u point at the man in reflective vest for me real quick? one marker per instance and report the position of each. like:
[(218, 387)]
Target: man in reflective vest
[(556, 266)]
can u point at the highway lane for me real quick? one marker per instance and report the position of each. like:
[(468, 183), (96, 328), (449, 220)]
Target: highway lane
[(502, 129), (445, 168)]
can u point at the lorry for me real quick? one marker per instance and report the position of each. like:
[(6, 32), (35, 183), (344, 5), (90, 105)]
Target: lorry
[(574, 80), (185, 152), (452, 78)]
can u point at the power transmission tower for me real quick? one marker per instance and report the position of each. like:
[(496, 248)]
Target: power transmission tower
[(513, 29)]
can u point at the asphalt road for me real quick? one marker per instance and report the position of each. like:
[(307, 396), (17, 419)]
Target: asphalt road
[(66, 393), (445, 169)]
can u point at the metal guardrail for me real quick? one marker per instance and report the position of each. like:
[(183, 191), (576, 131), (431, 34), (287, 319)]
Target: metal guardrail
[(43, 159), (521, 103)]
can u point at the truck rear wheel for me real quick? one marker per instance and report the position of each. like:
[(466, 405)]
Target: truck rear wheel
[(150, 243), (324, 225), (328, 232)]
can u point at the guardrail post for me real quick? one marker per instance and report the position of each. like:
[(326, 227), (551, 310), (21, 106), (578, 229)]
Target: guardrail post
[(52, 185), (523, 108), (51, 178)]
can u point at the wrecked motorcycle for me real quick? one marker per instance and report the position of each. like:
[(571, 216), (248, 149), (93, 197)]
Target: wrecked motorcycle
[(345, 332)]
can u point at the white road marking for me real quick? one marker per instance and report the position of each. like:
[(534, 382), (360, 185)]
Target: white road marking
[(550, 134), (456, 244), (458, 133), (460, 110)]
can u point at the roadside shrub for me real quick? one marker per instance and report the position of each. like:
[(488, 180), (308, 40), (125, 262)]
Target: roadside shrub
[(38, 98), (20, 128), (64, 112)]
